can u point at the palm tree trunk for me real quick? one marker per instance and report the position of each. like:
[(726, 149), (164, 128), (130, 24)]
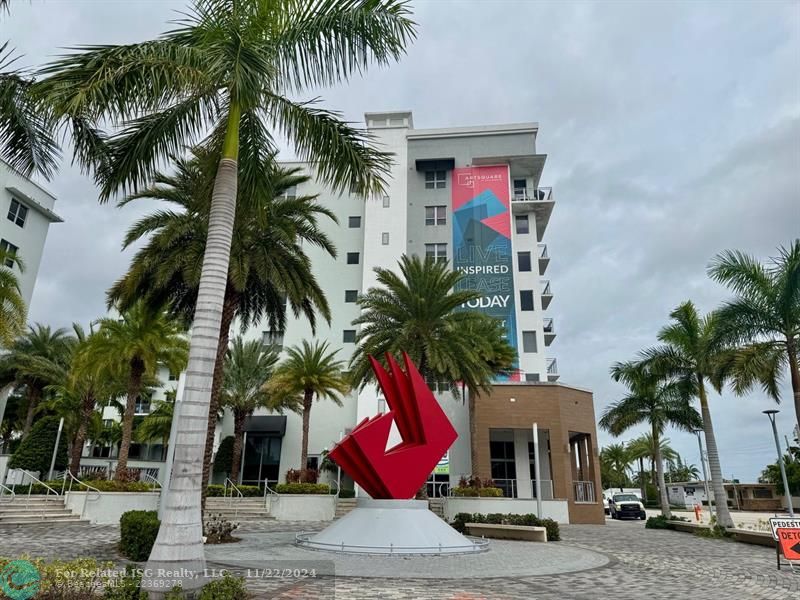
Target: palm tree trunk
[(724, 518), (642, 486), (662, 487), (228, 312), (34, 395), (87, 407), (308, 397), (238, 435), (134, 389), (473, 430), (794, 374), (179, 544)]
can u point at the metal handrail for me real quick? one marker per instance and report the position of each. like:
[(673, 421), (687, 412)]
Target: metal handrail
[(546, 289), (90, 489), (155, 481), (534, 194), (547, 325), (39, 481), (9, 490), (233, 488), (552, 366)]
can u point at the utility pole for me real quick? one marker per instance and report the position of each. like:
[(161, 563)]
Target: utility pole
[(705, 473), (771, 414)]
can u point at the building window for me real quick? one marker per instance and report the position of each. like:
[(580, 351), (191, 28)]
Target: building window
[(354, 222), (503, 466), (352, 258), (524, 261), (349, 336), (385, 238), (520, 189), (435, 180), (529, 341), (386, 202), (526, 299), (173, 376), (437, 252), (435, 215), (531, 377), (522, 225), (11, 250), (290, 192), (272, 338), (350, 295), (17, 212)]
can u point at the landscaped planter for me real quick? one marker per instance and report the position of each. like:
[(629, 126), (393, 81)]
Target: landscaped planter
[(749, 536), (687, 526), (551, 509), (302, 507), (107, 507)]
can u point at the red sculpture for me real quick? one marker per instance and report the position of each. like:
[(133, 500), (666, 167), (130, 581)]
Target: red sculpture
[(427, 433)]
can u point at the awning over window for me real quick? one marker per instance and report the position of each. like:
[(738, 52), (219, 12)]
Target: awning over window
[(436, 164)]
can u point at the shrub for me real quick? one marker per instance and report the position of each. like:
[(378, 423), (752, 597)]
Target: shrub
[(138, 531), (126, 587), (347, 493), (250, 491), (224, 456), (303, 488), (225, 588), (218, 530), (302, 476), (36, 450), (530, 520), (483, 492), (658, 522)]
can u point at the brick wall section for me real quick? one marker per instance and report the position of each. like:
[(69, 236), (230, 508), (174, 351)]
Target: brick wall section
[(557, 408)]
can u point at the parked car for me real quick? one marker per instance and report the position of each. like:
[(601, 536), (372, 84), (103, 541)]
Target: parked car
[(626, 506)]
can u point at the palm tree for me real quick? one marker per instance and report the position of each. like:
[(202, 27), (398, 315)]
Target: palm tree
[(418, 310), (138, 342), (34, 361), (306, 372), (764, 318), (653, 401), (615, 462), (269, 266), (157, 424), (228, 65), (692, 352), (12, 305), (248, 366)]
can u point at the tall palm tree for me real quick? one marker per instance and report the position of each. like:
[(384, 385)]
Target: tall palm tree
[(248, 366), (34, 361), (269, 266), (12, 305), (157, 424), (228, 65), (615, 460), (306, 372), (692, 352), (138, 342), (418, 310), (764, 318), (653, 401)]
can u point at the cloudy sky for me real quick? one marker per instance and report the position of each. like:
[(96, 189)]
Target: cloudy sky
[(672, 129)]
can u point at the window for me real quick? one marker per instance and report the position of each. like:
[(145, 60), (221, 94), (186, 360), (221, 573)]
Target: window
[(529, 341), (437, 252), (520, 189), (352, 258), (354, 222), (524, 261), (290, 192), (385, 238), (526, 299), (503, 465), (272, 338), (173, 376), (522, 224), (350, 295), (531, 377), (435, 180), (17, 212), (349, 336), (9, 249), (386, 202), (435, 215)]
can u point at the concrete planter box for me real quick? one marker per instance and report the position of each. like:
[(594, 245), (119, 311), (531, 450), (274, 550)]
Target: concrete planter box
[(302, 507), (551, 509), (109, 506), (687, 527), (748, 536)]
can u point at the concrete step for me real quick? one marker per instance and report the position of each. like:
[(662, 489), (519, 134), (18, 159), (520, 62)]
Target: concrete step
[(48, 521), (40, 517), (33, 510)]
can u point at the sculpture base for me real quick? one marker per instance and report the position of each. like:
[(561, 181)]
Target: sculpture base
[(393, 527)]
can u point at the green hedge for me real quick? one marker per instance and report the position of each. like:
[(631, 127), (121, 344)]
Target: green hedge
[(216, 491), (484, 492), (36, 450), (102, 485), (303, 488), (530, 520), (137, 532)]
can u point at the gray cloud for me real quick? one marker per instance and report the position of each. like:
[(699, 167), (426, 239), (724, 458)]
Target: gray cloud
[(672, 129)]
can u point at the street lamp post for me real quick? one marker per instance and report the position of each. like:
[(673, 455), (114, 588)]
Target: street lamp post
[(771, 414), (705, 473)]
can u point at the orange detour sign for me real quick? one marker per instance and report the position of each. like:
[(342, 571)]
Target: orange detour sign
[(789, 539)]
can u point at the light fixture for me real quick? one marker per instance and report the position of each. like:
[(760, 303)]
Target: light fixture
[(512, 399)]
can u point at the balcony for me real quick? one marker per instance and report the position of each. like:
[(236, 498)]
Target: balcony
[(544, 258), (547, 294), (549, 331), (539, 201), (552, 370)]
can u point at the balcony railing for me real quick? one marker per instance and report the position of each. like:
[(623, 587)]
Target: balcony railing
[(547, 488), (543, 251), (509, 487), (546, 290), (541, 194), (584, 491), (548, 325), (552, 366)]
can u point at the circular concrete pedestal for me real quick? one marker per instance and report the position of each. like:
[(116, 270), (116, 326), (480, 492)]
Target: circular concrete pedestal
[(401, 527)]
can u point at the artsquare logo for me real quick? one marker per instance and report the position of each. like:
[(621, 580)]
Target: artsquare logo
[(466, 180)]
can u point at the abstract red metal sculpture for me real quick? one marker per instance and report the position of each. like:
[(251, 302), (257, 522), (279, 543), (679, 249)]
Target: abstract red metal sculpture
[(397, 473)]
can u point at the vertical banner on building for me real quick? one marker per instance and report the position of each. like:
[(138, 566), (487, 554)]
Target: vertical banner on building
[(482, 242)]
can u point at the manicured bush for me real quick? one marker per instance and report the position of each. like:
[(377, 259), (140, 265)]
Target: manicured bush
[(225, 588), (483, 492), (36, 450), (224, 456), (657, 522), (138, 531), (303, 488), (302, 476), (250, 491), (102, 485), (529, 520)]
